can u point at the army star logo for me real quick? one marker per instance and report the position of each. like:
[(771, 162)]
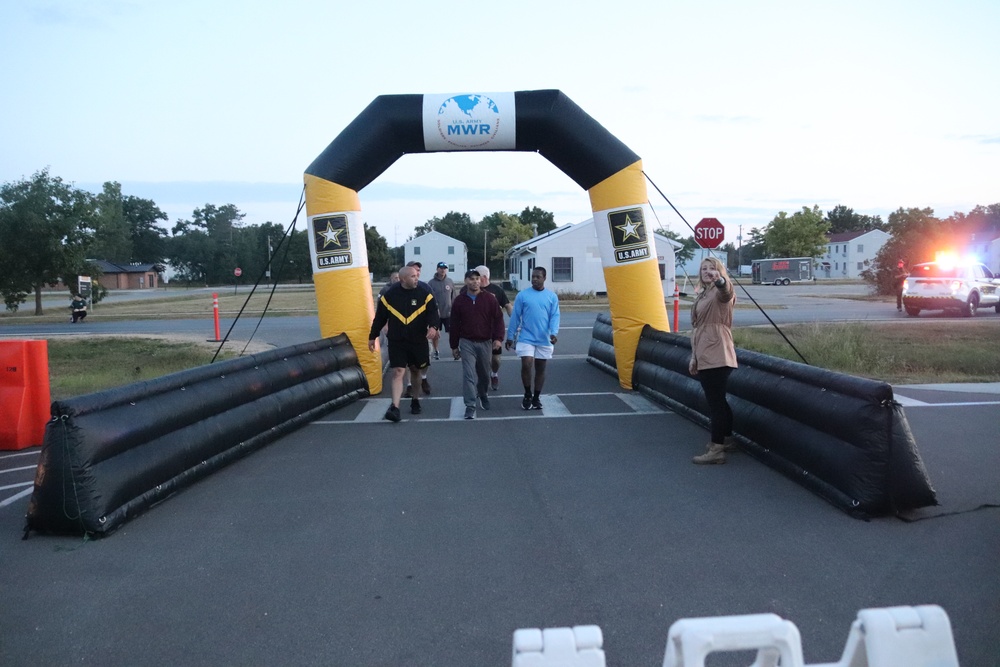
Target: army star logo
[(330, 235), (628, 229)]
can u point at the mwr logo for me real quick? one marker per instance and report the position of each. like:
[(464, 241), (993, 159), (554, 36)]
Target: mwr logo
[(468, 121), (332, 239), (628, 235)]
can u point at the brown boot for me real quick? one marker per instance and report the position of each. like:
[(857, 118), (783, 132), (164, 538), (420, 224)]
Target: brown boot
[(715, 454), (729, 444)]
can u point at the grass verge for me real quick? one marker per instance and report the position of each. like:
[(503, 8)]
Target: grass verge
[(85, 365), (916, 352)]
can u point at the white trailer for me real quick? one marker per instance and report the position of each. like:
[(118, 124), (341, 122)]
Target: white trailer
[(781, 270)]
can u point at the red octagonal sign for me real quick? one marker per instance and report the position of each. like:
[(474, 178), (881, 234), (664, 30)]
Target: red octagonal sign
[(709, 233)]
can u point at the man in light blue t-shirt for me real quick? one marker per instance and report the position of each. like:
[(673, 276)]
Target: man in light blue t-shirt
[(534, 324)]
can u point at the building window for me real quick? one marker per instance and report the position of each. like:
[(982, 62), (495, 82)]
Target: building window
[(562, 269), (861, 247), (861, 265), (416, 250), (451, 250)]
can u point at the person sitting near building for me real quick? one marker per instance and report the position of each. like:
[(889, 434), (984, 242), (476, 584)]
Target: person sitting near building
[(78, 307)]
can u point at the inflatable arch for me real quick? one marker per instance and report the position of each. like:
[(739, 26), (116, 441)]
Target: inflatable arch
[(542, 121)]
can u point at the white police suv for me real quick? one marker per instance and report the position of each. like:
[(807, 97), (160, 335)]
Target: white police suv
[(964, 287)]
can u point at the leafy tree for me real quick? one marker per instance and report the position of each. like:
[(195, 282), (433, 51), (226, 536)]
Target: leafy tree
[(127, 228), (733, 263), (802, 234), (208, 247), (844, 219), (510, 232), (541, 221), (685, 253), (111, 235), (379, 256), (45, 227), (497, 246), (458, 226), (916, 235), (298, 263)]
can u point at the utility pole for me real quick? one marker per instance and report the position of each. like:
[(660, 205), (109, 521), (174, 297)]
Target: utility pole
[(739, 251), (269, 251), (486, 234)]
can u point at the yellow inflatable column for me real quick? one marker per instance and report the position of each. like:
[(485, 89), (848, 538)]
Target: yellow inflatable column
[(631, 270), (340, 270)]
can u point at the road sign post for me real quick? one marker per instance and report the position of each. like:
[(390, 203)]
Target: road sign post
[(709, 233)]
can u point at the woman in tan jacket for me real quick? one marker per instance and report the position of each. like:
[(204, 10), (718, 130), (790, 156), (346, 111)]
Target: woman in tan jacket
[(713, 355)]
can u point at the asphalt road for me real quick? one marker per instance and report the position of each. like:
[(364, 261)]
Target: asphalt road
[(358, 542)]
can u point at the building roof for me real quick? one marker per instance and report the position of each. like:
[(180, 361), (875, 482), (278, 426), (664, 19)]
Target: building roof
[(844, 236), (107, 267), (434, 233), (526, 245)]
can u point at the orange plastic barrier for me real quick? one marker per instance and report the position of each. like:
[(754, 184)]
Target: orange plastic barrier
[(24, 392)]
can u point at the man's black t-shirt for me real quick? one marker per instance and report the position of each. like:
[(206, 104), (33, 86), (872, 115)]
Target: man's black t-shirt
[(408, 313)]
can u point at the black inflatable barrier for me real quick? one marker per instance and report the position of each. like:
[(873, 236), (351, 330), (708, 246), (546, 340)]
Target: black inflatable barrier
[(843, 437), (602, 346), (109, 455)]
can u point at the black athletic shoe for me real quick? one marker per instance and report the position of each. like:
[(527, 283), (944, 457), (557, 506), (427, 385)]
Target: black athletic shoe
[(526, 403), (425, 387), (484, 400), (408, 393), (470, 413), (415, 408), (392, 414), (536, 404)]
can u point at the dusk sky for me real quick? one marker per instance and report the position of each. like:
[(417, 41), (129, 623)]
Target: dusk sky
[(738, 110)]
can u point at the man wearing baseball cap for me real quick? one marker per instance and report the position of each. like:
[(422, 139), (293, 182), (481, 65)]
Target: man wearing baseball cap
[(443, 289), (505, 304), (476, 330)]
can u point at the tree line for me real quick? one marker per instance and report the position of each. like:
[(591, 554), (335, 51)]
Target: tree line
[(50, 231), (916, 235)]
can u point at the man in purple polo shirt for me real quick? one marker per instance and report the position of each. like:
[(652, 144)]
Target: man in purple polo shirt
[(476, 330)]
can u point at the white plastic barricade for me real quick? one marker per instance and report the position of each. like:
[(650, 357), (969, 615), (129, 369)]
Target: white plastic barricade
[(885, 637), (911, 636), (579, 646), (776, 640)]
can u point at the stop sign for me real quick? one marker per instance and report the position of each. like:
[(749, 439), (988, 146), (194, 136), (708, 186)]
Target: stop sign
[(239, 272), (709, 233)]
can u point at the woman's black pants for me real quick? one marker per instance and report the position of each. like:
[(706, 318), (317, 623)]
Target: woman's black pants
[(713, 382)]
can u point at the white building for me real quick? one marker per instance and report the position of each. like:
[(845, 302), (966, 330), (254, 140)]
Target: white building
[(688, 271), (984, 246), (434, 247), (849, 253), (992, 256), (572, 259)]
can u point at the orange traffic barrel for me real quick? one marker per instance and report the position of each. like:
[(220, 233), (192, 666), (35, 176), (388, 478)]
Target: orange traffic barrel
[(24, 392)]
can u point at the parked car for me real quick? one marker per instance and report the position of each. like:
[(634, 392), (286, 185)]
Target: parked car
[(944, 286)]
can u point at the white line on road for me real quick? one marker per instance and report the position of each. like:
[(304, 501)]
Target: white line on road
[(15, 486), (16, 469), (15, 497), (10, 456)]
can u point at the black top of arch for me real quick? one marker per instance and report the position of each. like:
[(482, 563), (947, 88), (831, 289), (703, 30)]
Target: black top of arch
[(547, 122)]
